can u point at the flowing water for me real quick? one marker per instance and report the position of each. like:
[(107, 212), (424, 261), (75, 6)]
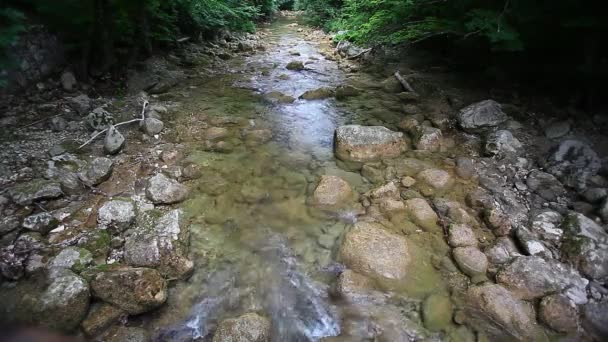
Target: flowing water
[(256, 244)]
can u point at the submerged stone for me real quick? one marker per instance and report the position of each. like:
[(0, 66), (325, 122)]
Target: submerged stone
[(368, 143)]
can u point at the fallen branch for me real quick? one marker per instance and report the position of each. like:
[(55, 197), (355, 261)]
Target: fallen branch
[(359, 54), (143, 110), (404, 82)]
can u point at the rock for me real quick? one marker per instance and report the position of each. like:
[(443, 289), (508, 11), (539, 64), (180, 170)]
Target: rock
[(116, 215), (603, 210), (249, 327), (503, 251), (436, 179), (163, 190), (498, 221), (278, 97), (501, 143), (255, 137), (422, 214), (408, 181), (392, 85), (99, 119), (408, 97), (134, 290), (317, 94), (530, 277), (68, 81), (595, 320), (494, 310), (74, 258), (437, 312), (42, 223), (388, 190), (481, 115), (465, 168), (114, 141), (98, 171), (546, 225), (585, 244), (372, 251), (557, 129), (152, 126), (354, 287), (332, 193), (35, 190), (595, 195), (295, 66), (573, 162), (58, 124), (545, 185), (126, 334), (345, 91), (428, 139), (101, 317), (530, 243), (81, 104), (461, 235), (368, 143), (559, 313), (64, 303), (471, 261), (410, 124)]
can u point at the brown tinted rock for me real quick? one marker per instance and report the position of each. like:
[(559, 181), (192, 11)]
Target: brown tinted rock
[(471, 261), (100, 317), (250, 327), (332, 193), (422, 214), (460, 235), (559, 313), (368, 143)]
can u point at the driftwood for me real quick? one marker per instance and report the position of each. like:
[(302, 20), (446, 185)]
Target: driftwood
[(404, 82), (360, 54), (143, 110)]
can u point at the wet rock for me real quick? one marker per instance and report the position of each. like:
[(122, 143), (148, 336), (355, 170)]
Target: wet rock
[(101, 317), (42, 223), (471, 261), (249, 327), (573, 162), (278, 97), (114, 141), (501, 143), (422, 214), (116, 215), (255, 137), (68, 81), (373, 172), (436, 179), (81, 104), (461, 235), (585, 244), (317, 94), (332, 193), (545, 185), (152, 126), (192, 171), (35, 190), (126, 334), (411, 124), (99, 119), (437, 312), (368, 143), (498, 221), (408, 97), (346, 91), (428, 139), (295, 66), (97, 172), (134, 290), (388, 190), (557, 129), (530, 243), (546, 225), (372, 251), (559, 313), (392, 85), (74, 258), (503, 251), (481, 115), (603, 210), (8, 224), (465, 168), (595, 320), (163, 190), (408, 181), (494, 310), (530, 277), (354, 287)]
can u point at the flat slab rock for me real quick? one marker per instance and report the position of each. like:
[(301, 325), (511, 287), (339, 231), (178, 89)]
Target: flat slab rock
[(368, 143)]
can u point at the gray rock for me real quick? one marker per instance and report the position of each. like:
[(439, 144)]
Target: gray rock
[(126, 334), (428, 139), (546, 225), (35, 190), (471, 261), (585, 244), (42, 222), (435, 179), (97, 172), (8, 223), (99, 119), (545, 185), (114, 141), (559, 313), (116, 215), (317, 94), (134, 290), (501, 143), (465, 167), (64, 303), (595, 195), (481, 115), (163, 190), (249, 327), (461, 235), (152, 126), (58, 124), (573, 162), (368, 143), (295, 65), (100, 317), (81, 104), (503, 251), (595, 320), (531, 277), (346, 91), (603, 211), (557, 129), (74, 258), (531, 244), (68, 81)]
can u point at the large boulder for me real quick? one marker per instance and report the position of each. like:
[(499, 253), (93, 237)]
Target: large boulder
[(494, 310), (134, 290), (363, 144), (372, 251), (481, 115), (585, 244), (35, 190), (573, 162), (530, 277), (249, 327), (163, 190), (333, 193)]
